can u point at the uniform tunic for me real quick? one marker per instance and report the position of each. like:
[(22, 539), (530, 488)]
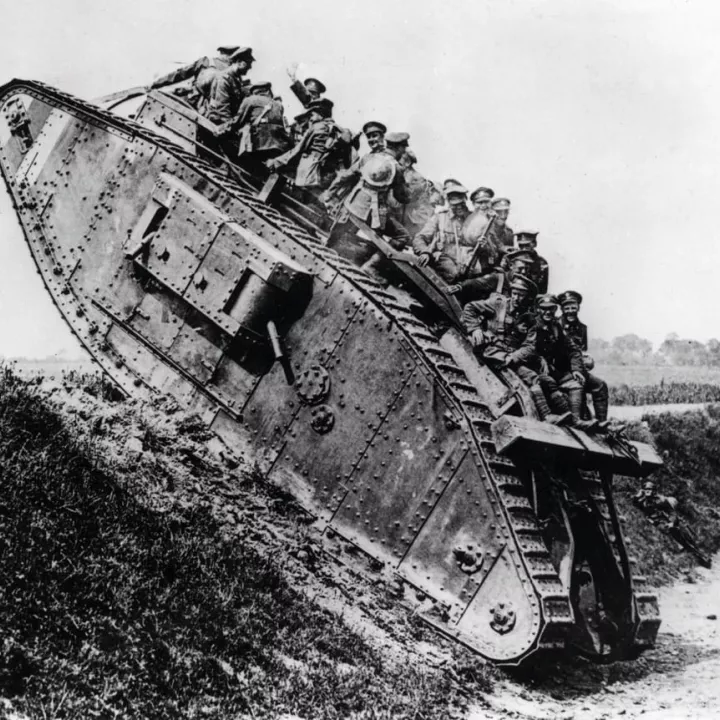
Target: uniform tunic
[(192, 71), (323, 150), (559, 350), (578, 332), (262, 117), (227, 94)]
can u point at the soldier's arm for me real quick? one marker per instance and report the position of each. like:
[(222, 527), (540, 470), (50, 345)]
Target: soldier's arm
[(291, 155), (543, 278), (343, 182), (574, 353), (475, 315), (301, 92), (583, 337), (422, 240), (526, 352), (183, 73)]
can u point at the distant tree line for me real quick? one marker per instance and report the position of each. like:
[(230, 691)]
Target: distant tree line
[(633, 350)]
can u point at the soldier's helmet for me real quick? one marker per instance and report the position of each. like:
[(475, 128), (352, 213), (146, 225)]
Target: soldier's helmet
[(570, 296), (379, 170)]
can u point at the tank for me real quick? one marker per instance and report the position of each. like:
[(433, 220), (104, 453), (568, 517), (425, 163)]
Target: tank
[(183, 275)]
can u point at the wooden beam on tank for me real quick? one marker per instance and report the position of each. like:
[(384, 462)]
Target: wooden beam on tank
[(525, 437)]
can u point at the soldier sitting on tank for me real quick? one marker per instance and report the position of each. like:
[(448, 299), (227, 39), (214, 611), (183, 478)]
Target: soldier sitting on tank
[(363, 191), (322, 152), (481, 198), (562, 357), (445, 244), (540, 273), (500, 232), (570, 302), (501, 330)]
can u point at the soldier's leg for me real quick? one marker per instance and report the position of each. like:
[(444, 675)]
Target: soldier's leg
[(345, 241), (399, 236), (576, 397), (540, 395), (598, 388), (446, 268), (479, 288)]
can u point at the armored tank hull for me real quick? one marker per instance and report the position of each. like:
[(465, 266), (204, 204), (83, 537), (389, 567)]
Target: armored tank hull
[(182, 275)]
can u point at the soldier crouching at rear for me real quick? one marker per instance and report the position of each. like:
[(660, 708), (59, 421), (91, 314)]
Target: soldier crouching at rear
[(362, 192), (324, 150), (562, 357), (501, 330), (570, 302)]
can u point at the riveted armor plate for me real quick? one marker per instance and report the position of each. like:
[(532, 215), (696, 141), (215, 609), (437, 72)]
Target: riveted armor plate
[(313, 385)]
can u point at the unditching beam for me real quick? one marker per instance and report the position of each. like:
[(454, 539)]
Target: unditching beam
[(525, 437)]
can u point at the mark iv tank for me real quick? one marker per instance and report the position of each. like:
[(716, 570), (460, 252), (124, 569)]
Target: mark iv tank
[(181, 274)]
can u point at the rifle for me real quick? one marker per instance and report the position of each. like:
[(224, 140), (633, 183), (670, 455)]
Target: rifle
[(476, 252)]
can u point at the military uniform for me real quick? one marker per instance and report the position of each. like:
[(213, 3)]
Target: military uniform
[(506, 335), (371, 179), (530, 268), (194, 69), (227, 94), (321, 153), (540, 272), (577, 330), (307, 91)]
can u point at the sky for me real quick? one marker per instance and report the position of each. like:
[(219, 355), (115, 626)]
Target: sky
[(599, 120)]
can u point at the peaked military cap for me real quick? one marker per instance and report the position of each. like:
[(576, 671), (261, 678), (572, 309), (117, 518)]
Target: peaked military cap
[(484, 193), (301, 117), (450, 181), (374, 126), (322, 105), (315, 85), (228, 49), (520, 282), (570, 296), (501, 204), (256, 86), (242, 53), (397, 138), (547, 300), (454, 188), (526, 236)]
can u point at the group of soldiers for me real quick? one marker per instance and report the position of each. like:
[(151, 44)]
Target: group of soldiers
[(496, 275)]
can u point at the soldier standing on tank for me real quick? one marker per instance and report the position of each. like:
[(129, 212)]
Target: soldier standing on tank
[(570, 302), (261, 124), (228, 90), (204, 66), (363, 191), (501, 330), (527, 240), (306, 91), (562, 357), (321, 153)]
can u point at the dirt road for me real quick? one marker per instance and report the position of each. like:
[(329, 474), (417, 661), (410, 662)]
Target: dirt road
[(678, 680)]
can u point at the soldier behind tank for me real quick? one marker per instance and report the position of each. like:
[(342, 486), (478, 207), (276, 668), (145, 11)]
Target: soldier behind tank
[(570, 302), (261, 124), (322, 151), (527, 240), (363, 191), (562, 357), (501, 330), (306, 91), (194, 70)]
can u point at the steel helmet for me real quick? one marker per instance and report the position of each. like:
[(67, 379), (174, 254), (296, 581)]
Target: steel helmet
[(378, 170)]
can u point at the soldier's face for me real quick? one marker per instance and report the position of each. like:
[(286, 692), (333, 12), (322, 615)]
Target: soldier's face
[(547, 313), (517, 297), (482, 204), (526, 245), (519, 268), (375, 139), (502, 214), (570, 310)]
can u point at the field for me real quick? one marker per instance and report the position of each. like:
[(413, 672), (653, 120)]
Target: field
[(633, 375)]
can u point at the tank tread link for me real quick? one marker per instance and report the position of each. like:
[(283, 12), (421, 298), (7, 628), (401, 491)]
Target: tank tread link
[(78, 174)]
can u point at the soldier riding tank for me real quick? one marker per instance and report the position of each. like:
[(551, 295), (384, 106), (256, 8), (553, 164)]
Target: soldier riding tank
[(182, 274)]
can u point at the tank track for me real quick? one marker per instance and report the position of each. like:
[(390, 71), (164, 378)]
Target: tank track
[(507, 480)]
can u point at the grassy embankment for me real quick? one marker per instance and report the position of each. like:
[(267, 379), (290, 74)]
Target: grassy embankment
[(690, 445), (110, 609)]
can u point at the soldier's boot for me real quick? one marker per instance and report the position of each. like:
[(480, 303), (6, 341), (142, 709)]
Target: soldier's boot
[(601, 402), (543, 408), (373, 267), (561, 407), (575, 398)]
